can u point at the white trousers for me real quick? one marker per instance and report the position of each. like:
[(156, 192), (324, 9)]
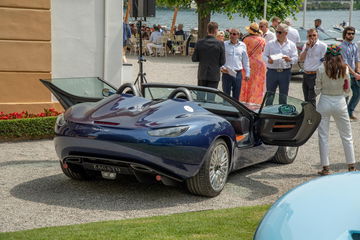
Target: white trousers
[(336, 107), (153, 45)]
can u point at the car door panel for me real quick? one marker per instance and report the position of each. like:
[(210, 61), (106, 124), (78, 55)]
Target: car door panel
[(292, 126)]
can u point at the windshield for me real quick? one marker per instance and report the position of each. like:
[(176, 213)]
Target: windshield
[(208, 100)]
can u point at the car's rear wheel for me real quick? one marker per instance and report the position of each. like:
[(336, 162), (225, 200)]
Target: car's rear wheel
[(211, 178), (285, 155), (74, 172)]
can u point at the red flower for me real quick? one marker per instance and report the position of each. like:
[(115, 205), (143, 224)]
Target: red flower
[(25, 114)]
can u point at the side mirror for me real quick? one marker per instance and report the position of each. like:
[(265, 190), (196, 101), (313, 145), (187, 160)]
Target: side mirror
[(106, 92)]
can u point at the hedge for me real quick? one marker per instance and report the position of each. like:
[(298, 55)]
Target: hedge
[(27, 128)]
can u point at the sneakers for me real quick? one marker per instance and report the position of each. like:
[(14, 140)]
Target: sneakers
[(353, 118)]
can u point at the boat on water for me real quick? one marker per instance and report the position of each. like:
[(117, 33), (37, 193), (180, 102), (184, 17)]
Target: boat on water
[(340, 27)]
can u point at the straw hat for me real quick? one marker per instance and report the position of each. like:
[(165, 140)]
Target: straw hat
[(220, 33), (254, 29)]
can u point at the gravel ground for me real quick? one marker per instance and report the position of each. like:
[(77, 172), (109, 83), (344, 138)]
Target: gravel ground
[(34, 193)]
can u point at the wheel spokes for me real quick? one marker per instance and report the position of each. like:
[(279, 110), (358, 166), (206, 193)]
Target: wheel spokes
[(218, 169)]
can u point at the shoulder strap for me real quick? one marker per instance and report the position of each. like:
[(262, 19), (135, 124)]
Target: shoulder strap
[(254, 49)]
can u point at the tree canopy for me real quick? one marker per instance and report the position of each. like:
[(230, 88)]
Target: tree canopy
[(251, 9)]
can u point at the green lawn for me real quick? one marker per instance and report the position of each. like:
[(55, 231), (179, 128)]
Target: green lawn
[(233, 223)]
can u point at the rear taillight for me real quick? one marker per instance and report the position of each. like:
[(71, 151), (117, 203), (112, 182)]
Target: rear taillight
[(106, 123)]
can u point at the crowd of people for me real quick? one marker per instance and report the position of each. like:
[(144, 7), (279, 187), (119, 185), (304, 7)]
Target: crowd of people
[(261, 61), (152, 37)]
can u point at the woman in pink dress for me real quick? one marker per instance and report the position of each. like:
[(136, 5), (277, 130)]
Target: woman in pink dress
[(252, 91)]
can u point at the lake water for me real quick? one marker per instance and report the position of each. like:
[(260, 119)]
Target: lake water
[(189, 19)]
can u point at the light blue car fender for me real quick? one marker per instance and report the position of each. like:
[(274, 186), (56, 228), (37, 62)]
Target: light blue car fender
[(326, 208)]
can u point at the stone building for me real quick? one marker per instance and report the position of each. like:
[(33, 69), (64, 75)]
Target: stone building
[(41, 39)]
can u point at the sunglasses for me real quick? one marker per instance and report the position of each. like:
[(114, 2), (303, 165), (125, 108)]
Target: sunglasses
[(312, 35), (279, 32), (234, 34), (350, 33)]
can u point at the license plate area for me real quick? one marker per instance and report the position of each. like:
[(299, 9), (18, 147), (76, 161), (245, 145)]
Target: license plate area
[(102, 167)]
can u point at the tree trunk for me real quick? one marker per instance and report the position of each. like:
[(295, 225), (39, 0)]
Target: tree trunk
[(126, 18), (203, 18), (172, 29)]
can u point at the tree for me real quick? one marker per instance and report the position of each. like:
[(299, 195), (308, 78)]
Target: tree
[(251, 9)]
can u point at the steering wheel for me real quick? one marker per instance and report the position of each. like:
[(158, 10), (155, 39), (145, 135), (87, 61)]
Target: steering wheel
[(133, 90), (183, 91)]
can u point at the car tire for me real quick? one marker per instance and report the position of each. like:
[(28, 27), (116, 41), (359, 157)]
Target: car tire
[(216, 166), (285, 155), (75, 172)]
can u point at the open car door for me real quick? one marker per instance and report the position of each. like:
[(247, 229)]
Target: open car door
[(286, 121), (71, 91)]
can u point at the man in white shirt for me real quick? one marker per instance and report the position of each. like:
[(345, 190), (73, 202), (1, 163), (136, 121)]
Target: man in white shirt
[(279, 55), (155, 40), (293, 34), (267, 34), (312, 55), (236, 59)]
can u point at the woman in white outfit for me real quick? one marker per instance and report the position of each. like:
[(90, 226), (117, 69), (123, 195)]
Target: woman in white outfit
[(332, 81)]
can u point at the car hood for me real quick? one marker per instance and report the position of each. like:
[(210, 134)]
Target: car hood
[(127, 111)]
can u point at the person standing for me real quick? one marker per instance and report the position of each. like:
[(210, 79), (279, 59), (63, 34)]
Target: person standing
[(317, 23), (275, 21), (236, 59), (285, 54), (267, 34), (293, 34), (252, 90), (312, 55), (210, 53), (331, 83), (350, 54), (126, 38)]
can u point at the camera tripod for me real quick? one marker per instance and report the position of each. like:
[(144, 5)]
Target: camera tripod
[(140, 79)]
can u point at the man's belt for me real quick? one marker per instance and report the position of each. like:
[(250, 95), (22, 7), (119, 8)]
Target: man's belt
[(309, 72), (279, 69)]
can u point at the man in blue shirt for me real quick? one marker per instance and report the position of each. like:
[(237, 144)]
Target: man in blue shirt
[(236, 60), (350, 54)]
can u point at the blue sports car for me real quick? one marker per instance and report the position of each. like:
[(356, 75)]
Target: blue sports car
[(172, 133)]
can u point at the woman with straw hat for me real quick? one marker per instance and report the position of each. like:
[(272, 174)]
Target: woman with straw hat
[(252, 91)]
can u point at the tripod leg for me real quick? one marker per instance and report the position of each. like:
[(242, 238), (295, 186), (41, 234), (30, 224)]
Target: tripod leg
[(137, 79), (144, 78)]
